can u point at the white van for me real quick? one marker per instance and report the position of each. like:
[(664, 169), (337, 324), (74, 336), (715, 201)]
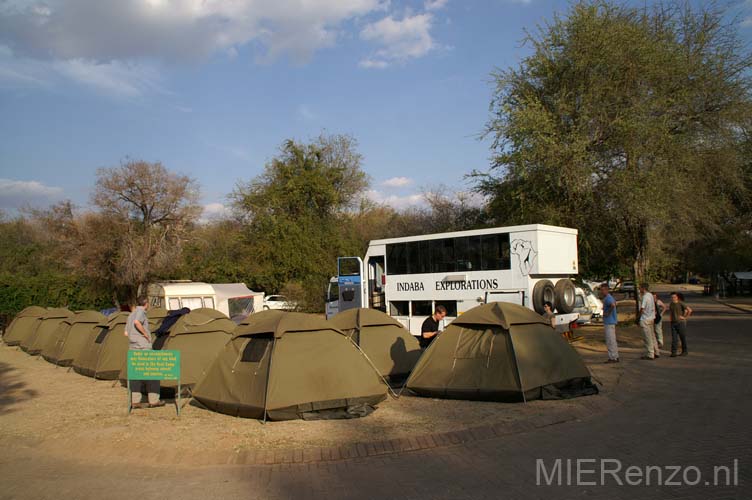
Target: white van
[(233, 299)]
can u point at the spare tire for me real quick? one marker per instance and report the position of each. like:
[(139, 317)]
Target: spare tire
[(543, 292), (565, 294)]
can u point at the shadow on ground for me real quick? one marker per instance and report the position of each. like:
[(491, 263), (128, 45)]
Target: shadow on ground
[(12, 389)]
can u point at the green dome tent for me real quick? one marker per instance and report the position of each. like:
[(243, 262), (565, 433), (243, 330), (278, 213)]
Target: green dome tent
[(53, 343), (70, 336), (500, 352), (37, 340), (104, 355), (114, 353), (23, 324), (111, 330), (199, 336), (286, 365), (389, 346)]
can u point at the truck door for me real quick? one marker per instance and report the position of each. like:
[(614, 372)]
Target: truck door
[(376, 283), (332, 297), (351, 286)]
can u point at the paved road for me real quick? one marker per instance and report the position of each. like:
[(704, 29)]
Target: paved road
[(689, 411)]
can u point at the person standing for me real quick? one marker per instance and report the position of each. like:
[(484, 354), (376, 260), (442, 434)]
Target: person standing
[(679, 314), (660, 309), (548, 313), (139, 338), (430, 327), (647, 322), (609, 324)]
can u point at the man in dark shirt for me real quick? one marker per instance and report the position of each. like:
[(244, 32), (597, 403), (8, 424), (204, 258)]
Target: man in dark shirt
[(430, 327)]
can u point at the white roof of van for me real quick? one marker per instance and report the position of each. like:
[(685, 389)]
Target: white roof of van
[(185, 288)]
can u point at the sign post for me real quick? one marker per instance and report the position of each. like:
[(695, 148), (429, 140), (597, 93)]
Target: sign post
[(149, 364)]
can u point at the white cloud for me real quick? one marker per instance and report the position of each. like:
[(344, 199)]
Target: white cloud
[(118, 48), (115, 78), (373, 64), (16, 72), (10, 76), (396, 182), (436, 4), (177, 30), (16, 194), (396, 201), (401, 40), (214, 211)]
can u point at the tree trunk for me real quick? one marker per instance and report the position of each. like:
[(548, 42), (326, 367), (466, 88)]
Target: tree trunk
[(640, 264)]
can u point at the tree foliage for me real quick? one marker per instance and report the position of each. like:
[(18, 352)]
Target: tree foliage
[(153, 209), (294, 211), (144, 214), (31, 272), (624, 122)]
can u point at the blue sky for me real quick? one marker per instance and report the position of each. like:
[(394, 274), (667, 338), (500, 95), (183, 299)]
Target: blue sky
[(212, 88)]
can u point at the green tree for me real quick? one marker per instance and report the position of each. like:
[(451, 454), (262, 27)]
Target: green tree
[(621, 122), (32, 271), (294, 214), (218, 252)]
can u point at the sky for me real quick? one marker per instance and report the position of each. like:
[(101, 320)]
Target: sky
[(212, 88)]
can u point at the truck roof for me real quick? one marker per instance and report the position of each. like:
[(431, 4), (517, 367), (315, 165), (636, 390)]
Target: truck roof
[(478, 232)]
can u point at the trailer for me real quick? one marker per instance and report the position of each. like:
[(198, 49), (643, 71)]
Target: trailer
[(235, 300)]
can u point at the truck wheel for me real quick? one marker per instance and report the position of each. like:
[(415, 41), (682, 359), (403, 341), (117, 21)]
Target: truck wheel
[(543, 292), (564, 291)]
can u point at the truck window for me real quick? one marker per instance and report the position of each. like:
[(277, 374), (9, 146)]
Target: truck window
[(399, 308), (495, 252), (418, 261), (442, 254), (396, 258), (422, 308), (451, 307), (333, 292)]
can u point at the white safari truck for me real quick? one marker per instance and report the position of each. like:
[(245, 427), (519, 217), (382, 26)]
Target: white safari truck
[(234, 299), (408, 277)]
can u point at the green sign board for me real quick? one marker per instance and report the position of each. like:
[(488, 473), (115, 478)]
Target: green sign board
[(153, 365)]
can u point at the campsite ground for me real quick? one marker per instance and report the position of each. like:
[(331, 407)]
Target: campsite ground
[(64, 435)]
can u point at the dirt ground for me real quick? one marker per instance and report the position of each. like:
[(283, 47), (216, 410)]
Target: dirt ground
[(58, 412)]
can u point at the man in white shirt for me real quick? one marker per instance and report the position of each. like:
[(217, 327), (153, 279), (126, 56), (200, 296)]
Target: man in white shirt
[(647, 319), (139, 338)]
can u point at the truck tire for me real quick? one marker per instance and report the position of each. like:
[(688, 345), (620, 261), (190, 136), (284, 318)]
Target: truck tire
[(543, 292), (564, 291)]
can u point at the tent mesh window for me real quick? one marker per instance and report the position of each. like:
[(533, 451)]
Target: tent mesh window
[(102, 335), (256, 348)]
